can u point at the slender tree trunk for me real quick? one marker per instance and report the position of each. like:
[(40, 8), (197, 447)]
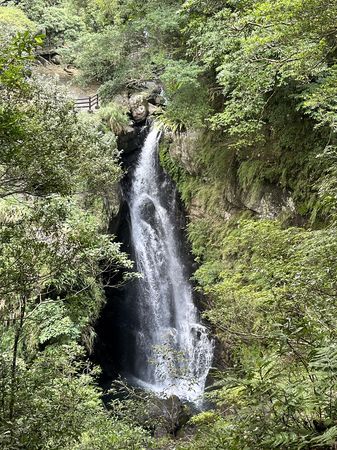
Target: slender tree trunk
[(13, 373)]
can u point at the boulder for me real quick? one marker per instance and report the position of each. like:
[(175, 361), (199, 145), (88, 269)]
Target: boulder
[(159, 100), (153, 110), (153, 92), (139, 107), (169, 415), (122, 100), (56, 59), (152, 87)]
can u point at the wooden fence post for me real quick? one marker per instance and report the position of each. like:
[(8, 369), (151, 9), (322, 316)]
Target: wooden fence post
[(89, 103)]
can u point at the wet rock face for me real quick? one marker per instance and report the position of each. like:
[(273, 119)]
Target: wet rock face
[(269, 202), (154, 110), (266, 201), (153, 93), (182, 148), (169, 416), (130, 140)]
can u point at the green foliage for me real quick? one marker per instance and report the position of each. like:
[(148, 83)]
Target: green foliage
[(96, 57), (78, 157), (56, 19), (262, 75), (115, 117), (271, 298), (59, 25), (57, 381), (187, 104), (55, 165), (13, 20), (16, 54), (256, 48), (134, 28)]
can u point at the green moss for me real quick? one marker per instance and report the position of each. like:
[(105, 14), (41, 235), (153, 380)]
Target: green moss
[(186, 184), (287, 159)]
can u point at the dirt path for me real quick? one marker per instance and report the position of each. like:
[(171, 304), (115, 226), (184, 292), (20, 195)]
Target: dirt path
[(67, 77)]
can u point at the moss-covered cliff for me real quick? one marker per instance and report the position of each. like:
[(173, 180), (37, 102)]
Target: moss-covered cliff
[(262, 232)]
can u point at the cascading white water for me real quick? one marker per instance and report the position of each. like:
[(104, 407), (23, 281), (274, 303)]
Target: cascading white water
[(173, 347)]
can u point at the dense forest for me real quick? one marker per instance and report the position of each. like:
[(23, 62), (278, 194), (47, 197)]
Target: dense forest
[(249, 122)]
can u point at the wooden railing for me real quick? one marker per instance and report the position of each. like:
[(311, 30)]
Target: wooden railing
[(88, 103)]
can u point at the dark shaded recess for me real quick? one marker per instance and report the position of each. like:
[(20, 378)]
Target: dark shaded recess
[(114, 349), (113, 323)]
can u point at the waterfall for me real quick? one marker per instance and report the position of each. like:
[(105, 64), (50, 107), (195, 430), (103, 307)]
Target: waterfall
[(172, 350)]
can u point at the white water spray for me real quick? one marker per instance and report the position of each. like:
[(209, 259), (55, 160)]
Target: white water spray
[(175, 352)]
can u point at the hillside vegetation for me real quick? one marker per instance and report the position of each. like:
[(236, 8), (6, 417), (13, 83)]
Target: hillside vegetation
[(250, 140)]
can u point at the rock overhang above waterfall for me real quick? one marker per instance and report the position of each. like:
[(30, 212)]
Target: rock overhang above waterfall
[(142, 101)]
